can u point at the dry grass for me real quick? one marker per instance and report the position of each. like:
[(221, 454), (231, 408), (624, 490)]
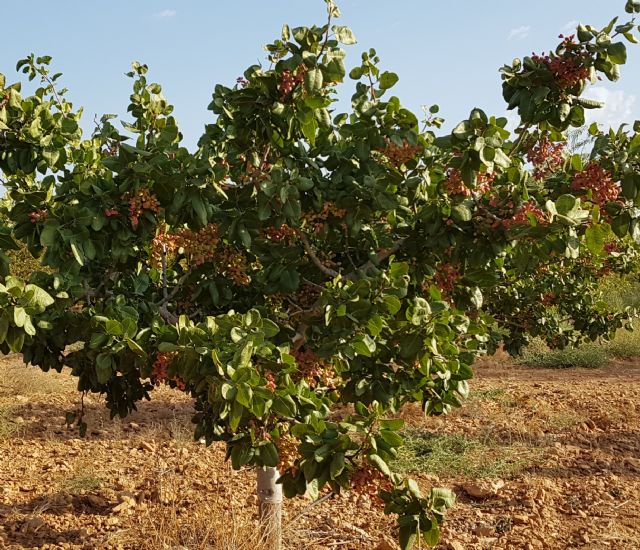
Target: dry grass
[(8, 426), (454, 455), (82, 480), (20, 379)]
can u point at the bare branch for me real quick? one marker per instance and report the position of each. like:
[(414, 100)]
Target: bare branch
[(310, 252), (381, 256), (168, 316), (165, 293)]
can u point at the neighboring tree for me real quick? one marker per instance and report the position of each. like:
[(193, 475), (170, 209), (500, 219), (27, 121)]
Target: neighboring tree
[(303, 274)]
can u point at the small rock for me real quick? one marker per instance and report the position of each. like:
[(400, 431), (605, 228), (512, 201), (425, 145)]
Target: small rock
[(484, 531), (97, 501), (520, 519), (146, 446), (33, 525), (386, 544), (632, 463), (477, 490)]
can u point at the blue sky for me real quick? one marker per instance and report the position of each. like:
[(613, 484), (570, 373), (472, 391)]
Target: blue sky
[(444, 52)]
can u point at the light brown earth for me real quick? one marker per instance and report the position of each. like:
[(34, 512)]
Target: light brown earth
[(561, 448)]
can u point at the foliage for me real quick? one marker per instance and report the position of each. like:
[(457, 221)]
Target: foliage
[(454, 455), (588, 356), (302, 261)]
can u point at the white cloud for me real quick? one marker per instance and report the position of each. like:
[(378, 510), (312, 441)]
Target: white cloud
[(570, 27), (519, 32), (619, 107), (166, 13)]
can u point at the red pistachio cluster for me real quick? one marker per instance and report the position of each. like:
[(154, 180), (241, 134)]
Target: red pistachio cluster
[(287, 452), (290, 80), (446, 278), (139, 202), (314, 370), (160, 371), (38, 215), (455, 186), (281, 233), (400, 154), (546, 157), (370, 481), (597, 181), (570, 65), (522, 216), (318, 219)]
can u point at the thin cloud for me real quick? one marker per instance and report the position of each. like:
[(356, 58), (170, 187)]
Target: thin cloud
[(619, 107), (570, 27), (519, 32), (166, 13)]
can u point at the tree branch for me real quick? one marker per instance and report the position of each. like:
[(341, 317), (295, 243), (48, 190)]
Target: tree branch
[(168, 316), (381, 256), (310, 252)]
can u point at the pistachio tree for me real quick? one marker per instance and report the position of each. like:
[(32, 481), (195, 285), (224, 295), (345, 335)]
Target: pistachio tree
[(304, 273)]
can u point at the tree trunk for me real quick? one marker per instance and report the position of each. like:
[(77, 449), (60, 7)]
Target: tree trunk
[(270, 507)]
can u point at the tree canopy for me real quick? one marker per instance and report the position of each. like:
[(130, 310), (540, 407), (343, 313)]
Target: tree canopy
[(304, 273)]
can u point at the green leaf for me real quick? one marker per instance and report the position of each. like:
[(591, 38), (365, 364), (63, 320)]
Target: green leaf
[(235, 415), (78, 254), (309, 129), (245, 237), (228, 391), (392, 424), (40, 299), (199, 209), (375, 325), (380, 464), (388, 80), (15, 339), (337, 465), (408, 535), (19, 316), (393, 303), (313, 81), (49, 235), (269, 455), (344, 35), (632, 6), (364, 346), (566, 204), (461, 213), (104, 368), (595, 237), (431, 536), (135, 347), (6, 240), (244, 395), (443, 497), (392, 438), (617, 53), (114, 328), (4, 327)]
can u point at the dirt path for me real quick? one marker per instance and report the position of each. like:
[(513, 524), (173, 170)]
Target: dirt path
[(552, 457)]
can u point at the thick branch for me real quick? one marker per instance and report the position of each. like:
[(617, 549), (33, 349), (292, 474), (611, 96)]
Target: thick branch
[(311, 253), (381, 256), (169, 317)]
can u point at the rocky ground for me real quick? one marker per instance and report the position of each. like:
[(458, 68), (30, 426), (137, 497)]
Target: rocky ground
[(539, 459)]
